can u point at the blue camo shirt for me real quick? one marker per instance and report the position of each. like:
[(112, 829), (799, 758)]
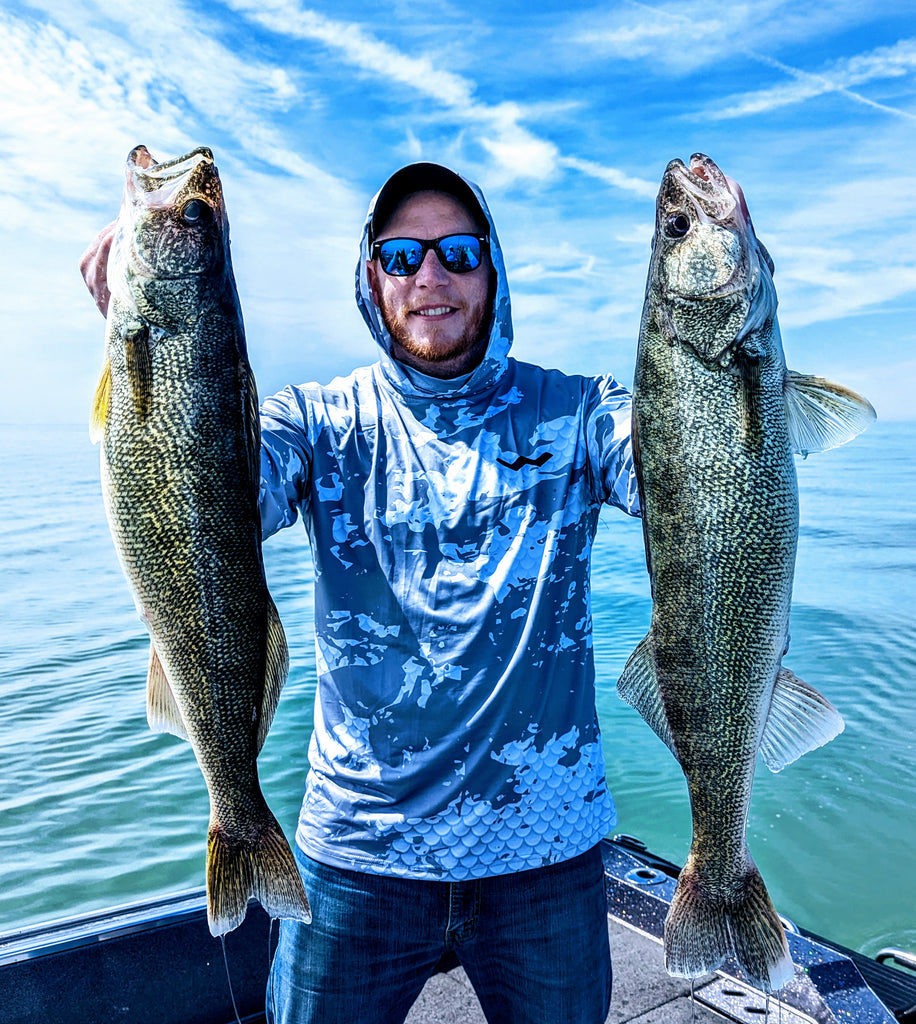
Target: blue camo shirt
[(455, 727)]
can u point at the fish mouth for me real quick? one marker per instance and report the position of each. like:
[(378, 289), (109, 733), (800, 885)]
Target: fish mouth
[(144, 164), (706, 194), (715, 195), (157, 185), (162, 190)]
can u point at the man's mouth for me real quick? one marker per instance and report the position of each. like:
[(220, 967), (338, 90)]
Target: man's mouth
[(435, 311)]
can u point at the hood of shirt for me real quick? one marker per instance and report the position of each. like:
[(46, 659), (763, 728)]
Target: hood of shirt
[(495, 361)]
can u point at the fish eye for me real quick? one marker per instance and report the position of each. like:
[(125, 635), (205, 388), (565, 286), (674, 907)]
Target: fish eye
[(677, 225), (196, 212)]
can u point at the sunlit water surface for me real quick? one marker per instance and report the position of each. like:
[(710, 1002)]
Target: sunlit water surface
[(95, 810)]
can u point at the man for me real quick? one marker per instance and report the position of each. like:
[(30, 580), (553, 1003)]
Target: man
[(456, 795)]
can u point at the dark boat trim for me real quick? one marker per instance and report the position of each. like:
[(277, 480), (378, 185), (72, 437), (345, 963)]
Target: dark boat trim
[(155, 962)]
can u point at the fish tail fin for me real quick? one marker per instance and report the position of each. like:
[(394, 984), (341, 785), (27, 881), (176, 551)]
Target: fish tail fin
[(262, 866), (702, 929), (759, 937), (697, 938)]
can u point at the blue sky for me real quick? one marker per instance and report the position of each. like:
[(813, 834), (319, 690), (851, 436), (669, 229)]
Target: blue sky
[(565, 113)]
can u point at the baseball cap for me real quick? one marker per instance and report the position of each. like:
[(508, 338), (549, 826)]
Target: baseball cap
[(421, 177)]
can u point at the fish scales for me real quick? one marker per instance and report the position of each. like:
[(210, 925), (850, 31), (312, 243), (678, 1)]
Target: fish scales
[(716, 422), (176, 414)]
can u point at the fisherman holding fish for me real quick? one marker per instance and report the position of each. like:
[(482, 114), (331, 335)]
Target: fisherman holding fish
[(456, 793)]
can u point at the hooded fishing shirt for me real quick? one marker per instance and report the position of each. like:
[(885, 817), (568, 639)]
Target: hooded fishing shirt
[(451, 529)]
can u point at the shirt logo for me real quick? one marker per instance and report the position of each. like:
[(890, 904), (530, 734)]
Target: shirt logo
[(523, 460)]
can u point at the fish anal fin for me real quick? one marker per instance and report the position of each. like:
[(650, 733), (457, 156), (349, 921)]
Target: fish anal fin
[(277, 667), (638, 686), (821, 414), (162, 711), (800, 719), (100, 405), (139, 367)]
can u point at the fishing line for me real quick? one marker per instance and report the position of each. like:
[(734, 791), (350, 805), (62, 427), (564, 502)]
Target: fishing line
[(235, 1009), (270, 934)]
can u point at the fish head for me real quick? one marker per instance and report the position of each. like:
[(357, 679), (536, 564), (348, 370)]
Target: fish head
[(709, 272), (172, 239)]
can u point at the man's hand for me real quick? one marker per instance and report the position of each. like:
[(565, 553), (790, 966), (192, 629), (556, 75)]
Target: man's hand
[(94, 267)]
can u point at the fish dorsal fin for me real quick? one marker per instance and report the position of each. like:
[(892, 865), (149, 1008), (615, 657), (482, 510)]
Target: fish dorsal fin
[(822, 414), (100, 405), (799, 720), (275, 671), (162, 711), (638, 686), (139, 366)]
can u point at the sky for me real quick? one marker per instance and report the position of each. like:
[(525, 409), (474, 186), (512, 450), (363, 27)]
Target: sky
[(565, 113)]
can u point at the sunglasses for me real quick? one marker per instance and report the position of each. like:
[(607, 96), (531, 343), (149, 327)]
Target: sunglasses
[(401, 257)]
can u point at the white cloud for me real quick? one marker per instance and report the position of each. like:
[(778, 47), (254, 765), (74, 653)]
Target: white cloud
[(612, 176), (681, 36), (76, 98), (838, 77), (846, 252), (286, 17), (104, 78), (517, 152), (677, 36)]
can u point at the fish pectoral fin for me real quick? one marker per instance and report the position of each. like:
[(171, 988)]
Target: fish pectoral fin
[(162, 711), (638, 686), (100, 405), (252, 423), (139, 366), (277, 667), (821, 414), (800, 719)]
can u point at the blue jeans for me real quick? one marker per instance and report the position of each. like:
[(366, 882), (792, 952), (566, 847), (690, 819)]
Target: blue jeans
[(534, 945)]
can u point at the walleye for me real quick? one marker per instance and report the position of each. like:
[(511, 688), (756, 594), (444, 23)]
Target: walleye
[(176, 412), (716, 418)]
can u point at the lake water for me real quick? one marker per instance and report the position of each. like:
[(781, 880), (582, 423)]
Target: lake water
[(95, 810)]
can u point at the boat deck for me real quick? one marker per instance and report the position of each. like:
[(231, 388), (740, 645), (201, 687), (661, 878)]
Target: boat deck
[(643, 992)]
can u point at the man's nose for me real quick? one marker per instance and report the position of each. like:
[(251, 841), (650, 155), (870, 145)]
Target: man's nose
[(431, 272)]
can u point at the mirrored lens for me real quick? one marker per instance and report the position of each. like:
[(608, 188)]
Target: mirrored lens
[(403, 256), (459, 253)]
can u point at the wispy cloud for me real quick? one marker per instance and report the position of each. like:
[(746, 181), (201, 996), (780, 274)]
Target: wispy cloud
[(500, 129), (104, 76), (612, 176), (307, 104), (687, 36), (839, 77)]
